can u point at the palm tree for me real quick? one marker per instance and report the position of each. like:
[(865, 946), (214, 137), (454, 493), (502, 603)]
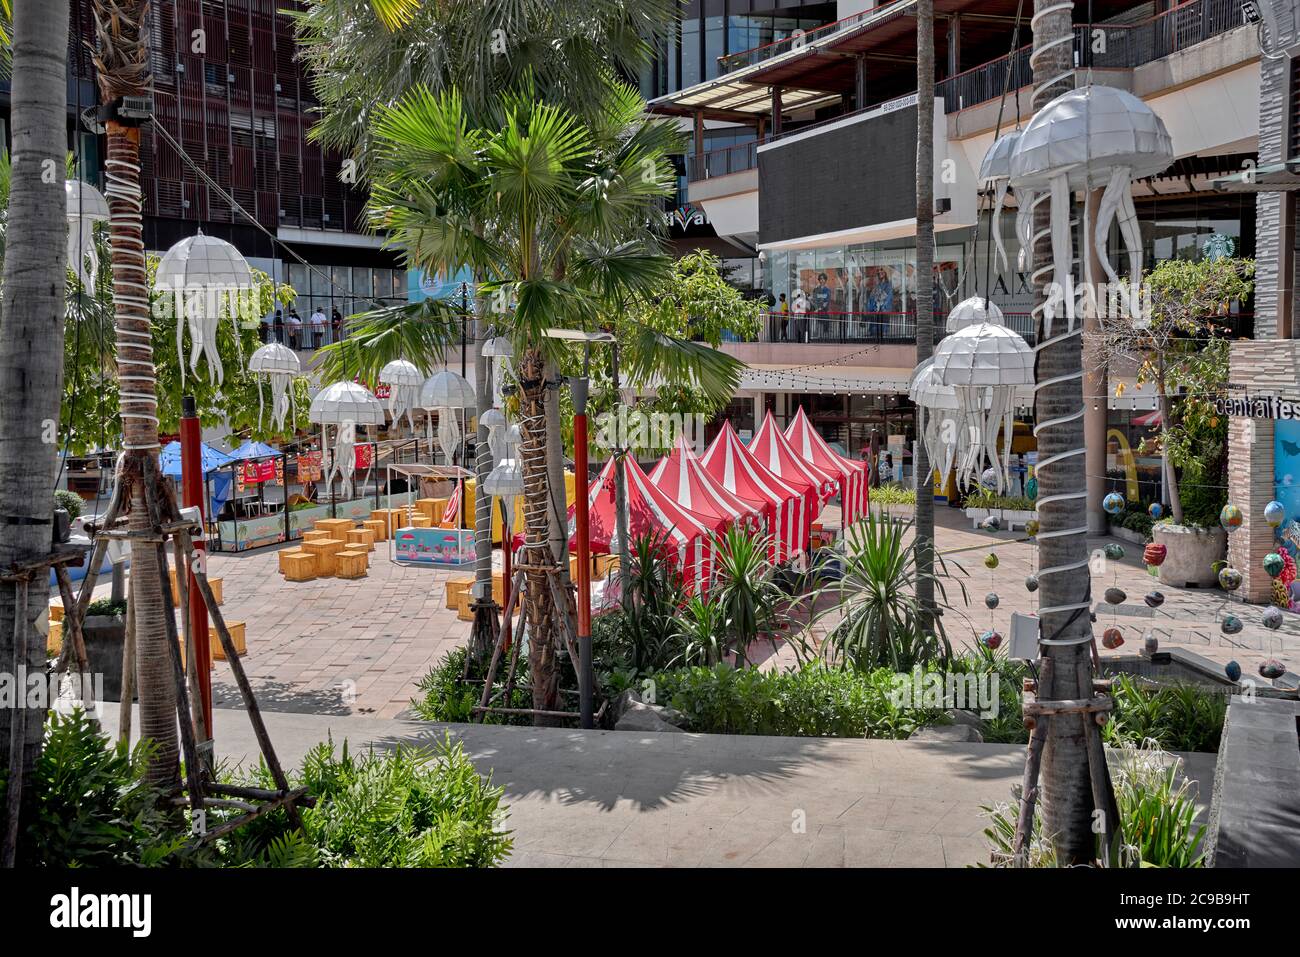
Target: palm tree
[(31, 334), (1067, 797), (924, 289), (122, 64), (552, 211)]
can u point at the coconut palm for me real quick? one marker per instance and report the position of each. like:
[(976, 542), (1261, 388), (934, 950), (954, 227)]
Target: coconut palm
[(31, 333), (122, 65), (552, 211), (924, 516)]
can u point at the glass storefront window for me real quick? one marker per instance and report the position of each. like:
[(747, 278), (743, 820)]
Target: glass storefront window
[(691, 73), (715, 37)]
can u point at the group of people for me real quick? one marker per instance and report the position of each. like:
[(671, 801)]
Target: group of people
[(292, 331)]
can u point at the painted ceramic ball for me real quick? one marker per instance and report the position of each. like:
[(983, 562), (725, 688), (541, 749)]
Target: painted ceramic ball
[(1154, 599), (1031, 487), (1272, 669), (1113, 503), (990, 640), (1156, 510), (1115, 596), (1231, 625), (1273, 564), (991, 524), (1114, 551), (1111, 638), (1232, 670), (1274, 514), (1031, 527), (990, 560), (1151, 644), (1155, 554), (991, 599), (1230, 517), (1031, 583), (989, 478), (1272, 617), (1229, 578)]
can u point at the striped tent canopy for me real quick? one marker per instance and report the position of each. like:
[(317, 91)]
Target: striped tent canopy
[(681, 475), (787, 511), (811, 447), (774, 451)]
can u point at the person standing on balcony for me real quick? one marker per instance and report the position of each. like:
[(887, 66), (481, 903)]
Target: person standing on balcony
[(295, 329), (318, 328), (336, 322), (821, 300), (800, 310), (783, 316)]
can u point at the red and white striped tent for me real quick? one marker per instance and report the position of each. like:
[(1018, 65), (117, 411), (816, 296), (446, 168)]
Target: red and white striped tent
[(809, 445), (651, 511), (775, 453), (681, 475), (786, 507)]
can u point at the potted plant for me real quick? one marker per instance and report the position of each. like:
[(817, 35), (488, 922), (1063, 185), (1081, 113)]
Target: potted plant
[(1010, 510), (67, 506), (104, 631)]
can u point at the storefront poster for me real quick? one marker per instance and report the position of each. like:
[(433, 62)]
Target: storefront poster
[(309, 467), (363, 456)]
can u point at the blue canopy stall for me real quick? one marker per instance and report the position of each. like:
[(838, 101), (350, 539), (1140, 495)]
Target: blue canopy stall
[(213, 461)]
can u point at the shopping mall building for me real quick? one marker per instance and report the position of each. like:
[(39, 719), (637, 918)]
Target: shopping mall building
[(803, 152)]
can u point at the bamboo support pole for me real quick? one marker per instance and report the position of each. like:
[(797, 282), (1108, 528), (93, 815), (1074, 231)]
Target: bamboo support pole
[(17, 733), (86, 688), (512, 598), (128, 667)]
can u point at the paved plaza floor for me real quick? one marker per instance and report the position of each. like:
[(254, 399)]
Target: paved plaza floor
[(336, 647)]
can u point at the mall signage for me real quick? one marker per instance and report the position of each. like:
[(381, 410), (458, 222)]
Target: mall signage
[(1257, 407)]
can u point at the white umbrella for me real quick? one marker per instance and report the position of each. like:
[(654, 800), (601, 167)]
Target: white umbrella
[(279, 364), (204, 274)]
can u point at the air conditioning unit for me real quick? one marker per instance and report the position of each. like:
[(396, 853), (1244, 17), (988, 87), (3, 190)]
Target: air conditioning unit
[(136, 107), (942, 205)]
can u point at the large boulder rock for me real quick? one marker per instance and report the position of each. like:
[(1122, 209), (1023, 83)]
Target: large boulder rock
[(949, 733), (968, 718), (640, 716)]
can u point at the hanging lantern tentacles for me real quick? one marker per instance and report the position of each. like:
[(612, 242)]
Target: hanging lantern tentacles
[(995, 172), (403, 380), (205, 275), (984, 363), (344, 405), (938, 419), (85, 207), (442, 392), (279, 364)]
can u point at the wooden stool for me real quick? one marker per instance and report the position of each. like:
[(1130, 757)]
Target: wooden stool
[(457, 586), (214, 583), (393, 519), (300, 567), (430, 508), (316, 535), (605, 564), (237, 638), (56, 609), (421, 521), (325, 552), (463, 611), (362, 538), (335, 526), (54, 641), (378, 529), (350, 564), (289, 553)]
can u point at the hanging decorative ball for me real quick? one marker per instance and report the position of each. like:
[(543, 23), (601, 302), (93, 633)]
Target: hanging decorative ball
[(1272, 669), (1031, 583), (1114, 551), (990, 639), (990, 479), (1272, 617), (1031, 527), (1151, 644), (991, 560), (1229, 578), (1273, 564), (1274, 514), (991, 524), (991, 599), (1232, 670), (1230, 517), (1115, 596), (1231, 625), (1113, 503), (1031, 487), (1111, 638), (1154, 554), (1154, 599), (1155, 510)]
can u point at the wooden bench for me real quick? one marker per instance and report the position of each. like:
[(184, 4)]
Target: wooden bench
[(421, 521), (393, 519), (361, 538), (350, 563), (300, 567)]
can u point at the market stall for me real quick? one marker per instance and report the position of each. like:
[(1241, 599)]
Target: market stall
[(787, 509), (681, 475), (852, 476)]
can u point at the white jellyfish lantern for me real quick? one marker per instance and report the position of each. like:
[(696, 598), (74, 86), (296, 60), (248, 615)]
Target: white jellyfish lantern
[(938, 418), (1086, 139), (279, 364), (344, 405), (85, 207), (970, 311), (995, 173), (494, 420), (984, 364), (205, 275), (403, 380), (498, 350), (444, 392)]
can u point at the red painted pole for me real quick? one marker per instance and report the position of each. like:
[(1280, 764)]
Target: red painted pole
[(192, 495), (586, 672)]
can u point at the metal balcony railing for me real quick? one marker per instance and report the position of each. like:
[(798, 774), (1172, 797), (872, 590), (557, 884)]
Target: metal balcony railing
[(885, 328), (730, 159), (801, 38)]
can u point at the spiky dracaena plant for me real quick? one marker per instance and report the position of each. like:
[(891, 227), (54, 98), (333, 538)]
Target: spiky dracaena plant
[(745, 589)]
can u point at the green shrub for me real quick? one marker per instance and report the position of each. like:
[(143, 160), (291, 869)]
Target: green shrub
[(892, 493), (984, 498), (1178, 717), (444, 696), (71, 502), (107, 607)]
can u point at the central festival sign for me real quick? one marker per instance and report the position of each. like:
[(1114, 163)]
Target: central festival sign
[(1257, 407)]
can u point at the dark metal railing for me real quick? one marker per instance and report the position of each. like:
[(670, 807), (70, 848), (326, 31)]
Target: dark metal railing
[(886, 328), (800, 39), (730, 159)]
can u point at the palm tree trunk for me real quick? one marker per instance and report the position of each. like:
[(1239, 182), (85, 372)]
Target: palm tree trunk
[(31, 336), (482, 466), (1067, 797), (924, 293), (155, 678), (539, 607)]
